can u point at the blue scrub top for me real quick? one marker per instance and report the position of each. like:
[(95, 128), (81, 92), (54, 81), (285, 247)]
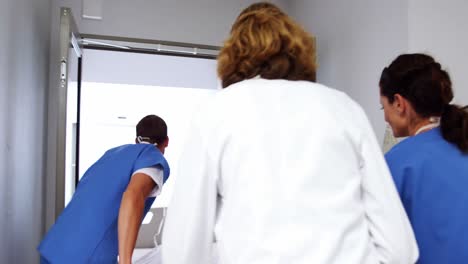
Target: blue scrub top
[(431, 176), (86, 231)]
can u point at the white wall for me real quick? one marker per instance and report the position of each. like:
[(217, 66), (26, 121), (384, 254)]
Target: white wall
[(5, 200), (355, 40), (440, 28), (148, 69), (24, 61)]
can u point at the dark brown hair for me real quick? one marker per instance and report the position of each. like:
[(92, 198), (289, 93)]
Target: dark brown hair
[(265, 41), (422, 81), (153, 128)]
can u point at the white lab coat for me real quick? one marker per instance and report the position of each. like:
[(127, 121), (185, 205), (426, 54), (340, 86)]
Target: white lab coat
[(285, 172)]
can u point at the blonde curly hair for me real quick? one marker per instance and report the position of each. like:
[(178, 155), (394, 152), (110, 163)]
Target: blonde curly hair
[(265, 41)]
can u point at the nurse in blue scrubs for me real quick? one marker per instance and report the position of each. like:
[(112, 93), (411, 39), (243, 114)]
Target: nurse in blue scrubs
[(430, 167), (102, 220)]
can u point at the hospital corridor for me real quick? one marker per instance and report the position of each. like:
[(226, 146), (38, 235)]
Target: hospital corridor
[(233, 132)]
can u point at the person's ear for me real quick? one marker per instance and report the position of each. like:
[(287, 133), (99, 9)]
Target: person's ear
[(400, 104)]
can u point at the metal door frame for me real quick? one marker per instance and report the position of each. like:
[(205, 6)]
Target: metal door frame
[(69, 36)]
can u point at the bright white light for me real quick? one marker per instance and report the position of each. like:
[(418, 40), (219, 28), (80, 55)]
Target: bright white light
[(110, 112)]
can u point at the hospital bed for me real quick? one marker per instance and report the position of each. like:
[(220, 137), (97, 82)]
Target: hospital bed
[(150, 232), (148, 246)]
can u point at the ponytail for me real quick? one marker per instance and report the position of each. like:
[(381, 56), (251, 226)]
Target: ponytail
[(454, 126)]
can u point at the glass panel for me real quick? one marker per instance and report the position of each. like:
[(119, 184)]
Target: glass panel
[(72, 123)]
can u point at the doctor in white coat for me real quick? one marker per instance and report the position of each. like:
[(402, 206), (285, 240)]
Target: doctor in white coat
[(279, 169)]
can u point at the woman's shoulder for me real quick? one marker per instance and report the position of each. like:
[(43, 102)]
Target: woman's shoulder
[(416, 149)]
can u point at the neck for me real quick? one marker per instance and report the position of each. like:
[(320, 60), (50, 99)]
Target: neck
[(161, 149), (423, 125)]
